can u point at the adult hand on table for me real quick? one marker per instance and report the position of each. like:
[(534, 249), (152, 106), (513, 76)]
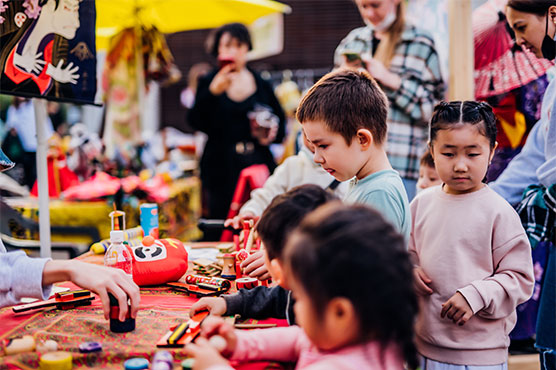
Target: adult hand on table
[(98, 279), (255, 267), (215, 305)]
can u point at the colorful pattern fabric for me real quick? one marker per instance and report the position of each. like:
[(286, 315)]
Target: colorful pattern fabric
[(124, 90), (417, 63), (517, 112), (537, 211), (54, 59), (161, 308)]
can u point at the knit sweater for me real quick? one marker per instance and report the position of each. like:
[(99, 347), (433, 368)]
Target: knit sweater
[(473, 244), (292, 345)]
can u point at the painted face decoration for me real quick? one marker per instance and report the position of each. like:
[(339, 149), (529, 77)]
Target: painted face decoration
[(156, 251)]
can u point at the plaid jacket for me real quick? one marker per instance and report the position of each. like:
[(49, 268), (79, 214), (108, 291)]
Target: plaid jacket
[(416, 62), (537, 211)]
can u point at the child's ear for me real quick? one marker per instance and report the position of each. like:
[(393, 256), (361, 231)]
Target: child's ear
[(341, 307), (492, 152), (341, 312), (552, 11), (277, 272), (429, 148), (364, 138)]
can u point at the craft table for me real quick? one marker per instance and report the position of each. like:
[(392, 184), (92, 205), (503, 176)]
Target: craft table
[(160, 308)]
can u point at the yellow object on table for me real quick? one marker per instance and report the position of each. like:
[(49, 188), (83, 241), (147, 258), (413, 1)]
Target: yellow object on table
[(58, 360)]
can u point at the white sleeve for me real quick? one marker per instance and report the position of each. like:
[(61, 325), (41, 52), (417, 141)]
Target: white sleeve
[(21, 276), (285, 176)]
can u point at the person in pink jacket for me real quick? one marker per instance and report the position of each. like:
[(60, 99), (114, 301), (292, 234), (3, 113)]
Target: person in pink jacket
[(352, 279), (472, 257)]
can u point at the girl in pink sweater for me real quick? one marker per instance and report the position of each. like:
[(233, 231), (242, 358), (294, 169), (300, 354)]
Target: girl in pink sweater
[(471, 255), (355, 305)]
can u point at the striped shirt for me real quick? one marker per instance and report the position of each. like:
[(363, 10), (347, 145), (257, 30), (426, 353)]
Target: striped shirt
[(416, 62)]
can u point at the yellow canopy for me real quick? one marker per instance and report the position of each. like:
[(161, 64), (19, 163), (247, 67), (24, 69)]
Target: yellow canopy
[(177, 15)]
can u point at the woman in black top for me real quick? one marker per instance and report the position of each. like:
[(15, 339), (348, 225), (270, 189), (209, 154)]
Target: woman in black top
[(224, 99)]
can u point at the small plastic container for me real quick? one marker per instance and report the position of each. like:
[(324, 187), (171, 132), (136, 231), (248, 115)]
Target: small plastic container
[(136, 363), (118, 255)]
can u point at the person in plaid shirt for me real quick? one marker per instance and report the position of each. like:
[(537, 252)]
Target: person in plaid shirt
[(403, 60)]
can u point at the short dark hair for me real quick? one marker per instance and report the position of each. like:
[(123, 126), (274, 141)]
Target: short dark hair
[(237, 31), (537, 7), (353, 252), (427, 159), (285, 212), (455, 113), (347, 100)]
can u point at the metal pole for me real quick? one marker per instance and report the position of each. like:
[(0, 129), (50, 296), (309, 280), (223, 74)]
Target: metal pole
[(42, 177)]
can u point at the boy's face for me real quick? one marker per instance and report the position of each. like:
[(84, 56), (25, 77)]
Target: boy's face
[(276, 271), (339, 159), (427, 177), (307, 143)]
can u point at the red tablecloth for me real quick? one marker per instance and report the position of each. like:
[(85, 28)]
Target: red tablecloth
[(160, 309)]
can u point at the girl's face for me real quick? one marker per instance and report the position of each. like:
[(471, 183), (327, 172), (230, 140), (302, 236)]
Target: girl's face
[(335, 328), (427, 177), (461, 156), (530, 29), (374, 11), (230, 47)]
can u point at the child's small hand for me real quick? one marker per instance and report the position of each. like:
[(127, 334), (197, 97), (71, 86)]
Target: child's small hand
[(217, 326), (421, 281), (215, 305), (254, 266), (206, 356), (237, 222), (457, 309)]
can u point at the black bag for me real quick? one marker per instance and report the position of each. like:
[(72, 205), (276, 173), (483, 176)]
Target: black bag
[(12, 147)]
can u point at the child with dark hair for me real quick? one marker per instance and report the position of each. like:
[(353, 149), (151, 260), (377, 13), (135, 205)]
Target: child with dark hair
[(283, 214), (355, 302), (344, 116), (428, 176), (472, 257)]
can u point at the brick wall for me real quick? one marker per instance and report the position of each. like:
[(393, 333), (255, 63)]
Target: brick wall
[(311, 33)]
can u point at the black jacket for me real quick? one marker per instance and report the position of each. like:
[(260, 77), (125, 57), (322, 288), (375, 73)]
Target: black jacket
[(261, 303)]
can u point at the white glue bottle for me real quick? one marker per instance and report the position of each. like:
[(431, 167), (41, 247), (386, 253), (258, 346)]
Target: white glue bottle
[(118, 255)]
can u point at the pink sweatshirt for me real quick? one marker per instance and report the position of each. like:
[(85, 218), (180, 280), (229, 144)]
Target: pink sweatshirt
[(290, 344), (473, 244)]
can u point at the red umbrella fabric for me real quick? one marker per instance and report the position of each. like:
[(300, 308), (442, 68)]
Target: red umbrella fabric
[(500, 64)]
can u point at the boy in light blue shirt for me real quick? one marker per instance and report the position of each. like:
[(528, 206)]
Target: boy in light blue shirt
[(344, 116)]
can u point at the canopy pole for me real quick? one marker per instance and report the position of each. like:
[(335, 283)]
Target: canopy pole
[(140, 68), (42, 177), (462, 53)]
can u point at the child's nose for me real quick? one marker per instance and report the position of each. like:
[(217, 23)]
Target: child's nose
[(317, 158), (460, 166)]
